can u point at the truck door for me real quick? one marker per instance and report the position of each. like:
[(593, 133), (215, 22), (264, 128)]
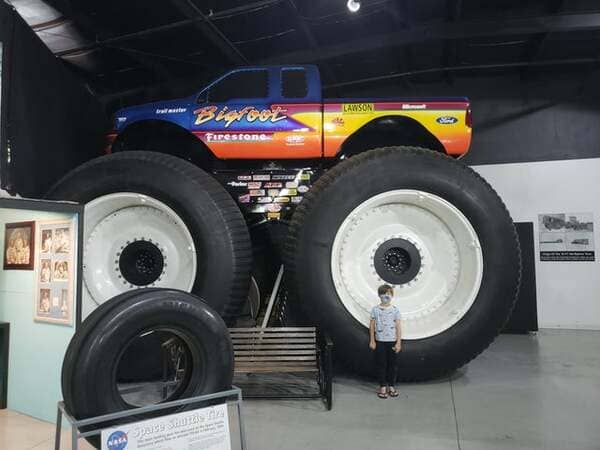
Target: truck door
[(299, 91)]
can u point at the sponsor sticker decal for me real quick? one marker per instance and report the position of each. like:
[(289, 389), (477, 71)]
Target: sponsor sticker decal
[(446, 120), (305, 176), (273, 192), (290, 185), (284, 177), (261, 177), (244, 198), (117, 441), (296, 199), (254, 184), (272, 185), (273, 216), (414, 106), (258, 209), (257, 193), (171, 110), (274, 207), (237, 184), (294, 139), (238, 137), (288, 192), (358, 108), (282, 200), (302, 189), (338, 121), (244, 177), (264, 199)]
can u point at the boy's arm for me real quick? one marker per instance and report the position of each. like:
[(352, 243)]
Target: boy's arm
[(398, 345), (372, 333)]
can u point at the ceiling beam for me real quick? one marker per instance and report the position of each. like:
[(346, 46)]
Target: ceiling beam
[(450, 53), (210, 31), (91, 30), (534, 49), (240, 10), (310, 37), (443, 31), (469, 67)]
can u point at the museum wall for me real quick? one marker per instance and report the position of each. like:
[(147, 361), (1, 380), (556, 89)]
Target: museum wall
[(33, 345), (567, 292), (51, 121)]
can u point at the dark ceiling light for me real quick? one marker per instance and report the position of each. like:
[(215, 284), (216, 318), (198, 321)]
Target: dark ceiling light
[(353, 5)]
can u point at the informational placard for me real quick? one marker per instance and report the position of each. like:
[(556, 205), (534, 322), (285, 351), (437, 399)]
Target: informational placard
[(201, 429), (566, 237)]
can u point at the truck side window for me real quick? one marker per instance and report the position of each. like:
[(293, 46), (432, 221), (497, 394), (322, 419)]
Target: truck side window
[(293, 83), (245, 84)]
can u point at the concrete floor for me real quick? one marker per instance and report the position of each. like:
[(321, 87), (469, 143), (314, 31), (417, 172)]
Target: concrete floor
[(524, 392)]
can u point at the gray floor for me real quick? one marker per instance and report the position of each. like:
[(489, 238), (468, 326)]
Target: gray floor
[(524, 392)]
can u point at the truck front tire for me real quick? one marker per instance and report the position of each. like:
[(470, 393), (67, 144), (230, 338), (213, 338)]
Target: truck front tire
[(427, 225), (154, 220)]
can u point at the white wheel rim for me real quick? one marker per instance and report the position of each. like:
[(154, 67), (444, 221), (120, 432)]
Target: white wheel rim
[(114, 221), (451, 260)]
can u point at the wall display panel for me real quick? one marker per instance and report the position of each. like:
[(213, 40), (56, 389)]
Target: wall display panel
[(55, 276)]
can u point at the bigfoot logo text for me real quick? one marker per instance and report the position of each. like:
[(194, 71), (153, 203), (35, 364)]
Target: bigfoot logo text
[(250, 113)]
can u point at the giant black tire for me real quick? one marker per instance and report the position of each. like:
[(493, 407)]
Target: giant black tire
[(213, 219), (89, 380), (339, 191)]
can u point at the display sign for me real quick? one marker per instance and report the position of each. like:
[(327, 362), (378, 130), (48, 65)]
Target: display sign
[(201, 429), (566, 237)]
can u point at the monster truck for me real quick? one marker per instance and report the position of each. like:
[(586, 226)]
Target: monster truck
[(369, 191)]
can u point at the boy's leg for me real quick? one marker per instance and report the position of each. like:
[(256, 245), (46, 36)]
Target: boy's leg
[(381, 359), (392, 365)]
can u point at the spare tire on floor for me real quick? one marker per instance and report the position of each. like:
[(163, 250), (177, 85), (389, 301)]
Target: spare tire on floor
[(154, 220), (189, 330), (422, 222)]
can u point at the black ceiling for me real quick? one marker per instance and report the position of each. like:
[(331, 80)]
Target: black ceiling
[(134, 50)]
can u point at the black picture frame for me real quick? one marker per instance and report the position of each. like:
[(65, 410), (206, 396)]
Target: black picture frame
[(9, 231)]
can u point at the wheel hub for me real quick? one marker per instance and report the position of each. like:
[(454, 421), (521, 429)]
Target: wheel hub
[(141, 263), (397, 261)]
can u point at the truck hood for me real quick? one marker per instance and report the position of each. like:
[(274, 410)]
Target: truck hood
[(165, 110)]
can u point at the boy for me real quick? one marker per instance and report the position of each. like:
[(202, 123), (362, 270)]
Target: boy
[(384, 331)]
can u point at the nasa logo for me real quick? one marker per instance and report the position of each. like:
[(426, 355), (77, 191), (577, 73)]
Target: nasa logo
[(117, 441)]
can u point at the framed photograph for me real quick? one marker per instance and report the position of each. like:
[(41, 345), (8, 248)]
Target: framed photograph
[(19, 246), (56, 273)]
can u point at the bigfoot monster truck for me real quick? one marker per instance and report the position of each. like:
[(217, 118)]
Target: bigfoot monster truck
[(370, 191)]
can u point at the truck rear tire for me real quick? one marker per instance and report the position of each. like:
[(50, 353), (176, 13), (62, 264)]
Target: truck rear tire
[(422, 222), (154, 220)]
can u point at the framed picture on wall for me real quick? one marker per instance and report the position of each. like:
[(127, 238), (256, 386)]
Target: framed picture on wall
[(55, 278), (19, 246)]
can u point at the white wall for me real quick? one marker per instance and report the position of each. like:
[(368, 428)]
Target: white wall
[(568, 293)]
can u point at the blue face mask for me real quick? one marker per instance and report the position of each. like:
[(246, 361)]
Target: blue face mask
[(386, 299)]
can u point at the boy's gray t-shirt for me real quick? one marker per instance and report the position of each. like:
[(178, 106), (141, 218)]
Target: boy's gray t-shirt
[(385, 322)]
